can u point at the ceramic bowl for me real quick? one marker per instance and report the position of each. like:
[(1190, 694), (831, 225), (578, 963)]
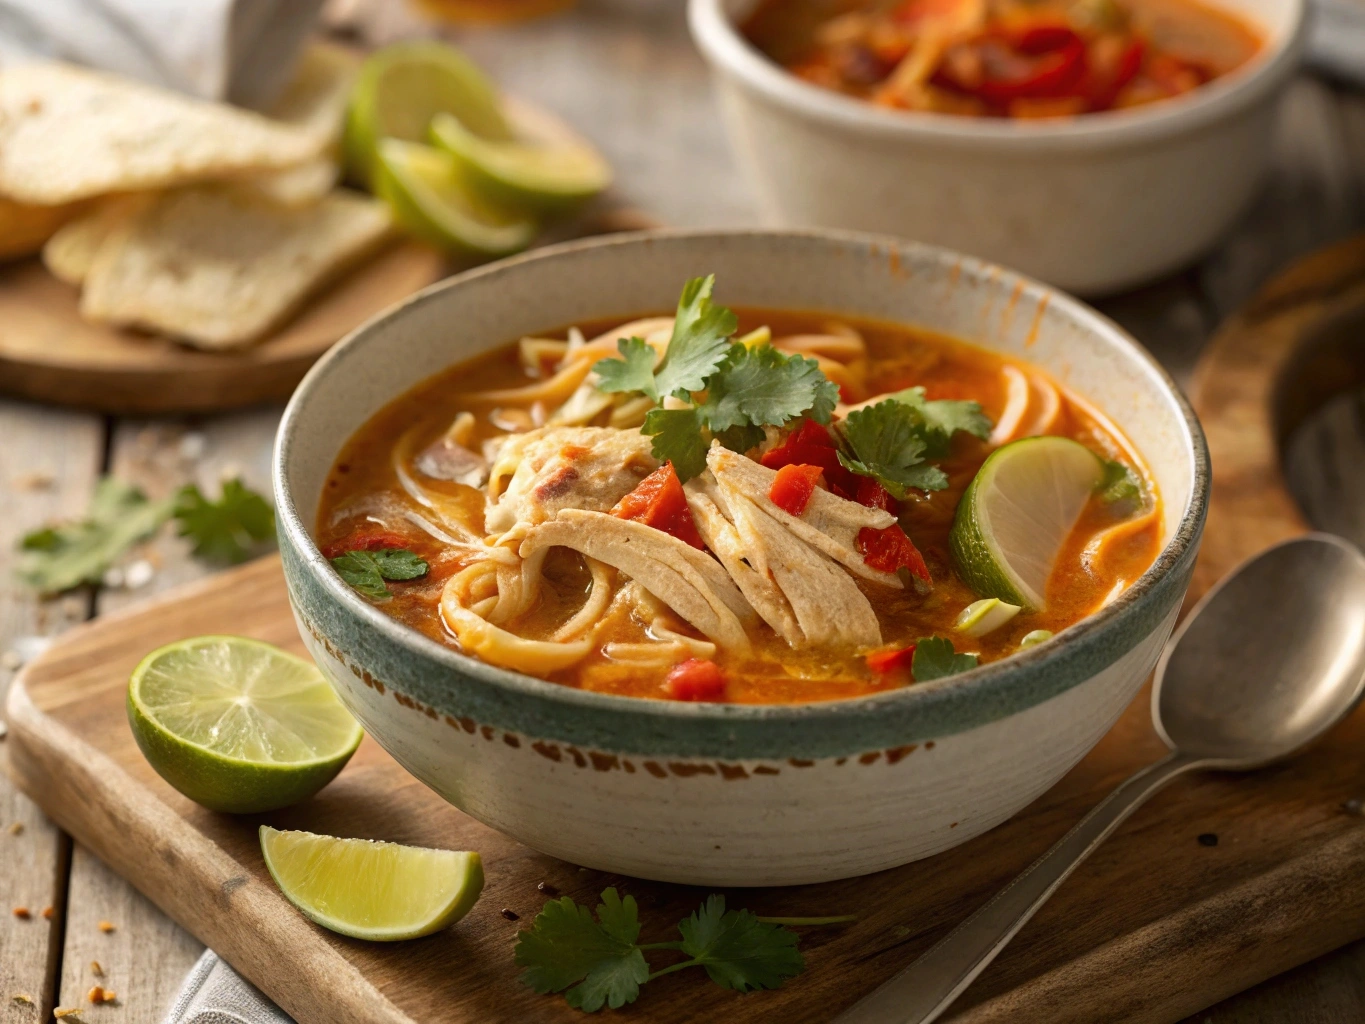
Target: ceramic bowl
[(717, 794), (1092, 204)]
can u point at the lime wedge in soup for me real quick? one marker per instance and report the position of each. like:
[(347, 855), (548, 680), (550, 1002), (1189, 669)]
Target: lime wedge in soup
[(371, 890), (1017, 513), (547, 168), (402, 87), (430, 196), (239, 725)]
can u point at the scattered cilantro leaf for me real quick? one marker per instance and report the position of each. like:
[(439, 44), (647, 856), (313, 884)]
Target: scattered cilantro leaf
[(943, 418), (600, 962), (934, 658), (761, 386), (1120, 486), (700, 341), (739, 951), (888, 445), (679, 439), (224, 530), (741, 439), (366, 571), (634, 371), (60, 557), (566, 947)]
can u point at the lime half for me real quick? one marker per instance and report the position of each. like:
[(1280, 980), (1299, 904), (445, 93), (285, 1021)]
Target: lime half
[(1017, 513), (402, 87), (239, 725), (430, 196), (369, 890), (548, 168)]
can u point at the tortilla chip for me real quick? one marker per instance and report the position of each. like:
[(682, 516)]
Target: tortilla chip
[(67, 133), (69, 253), (24, 229), (219, 267)]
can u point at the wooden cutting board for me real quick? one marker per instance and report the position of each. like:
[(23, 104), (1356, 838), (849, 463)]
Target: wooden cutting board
[(48, 353), (1158, 924)]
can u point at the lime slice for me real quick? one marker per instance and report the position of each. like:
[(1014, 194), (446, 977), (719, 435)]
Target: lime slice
[(369, 890), (402, 87), (547, 168), (1017, 513), (430, 197), (239, 725), (985, 616)]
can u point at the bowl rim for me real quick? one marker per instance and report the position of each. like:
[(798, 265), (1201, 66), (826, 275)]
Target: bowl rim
[(989, 684), (728, 51)]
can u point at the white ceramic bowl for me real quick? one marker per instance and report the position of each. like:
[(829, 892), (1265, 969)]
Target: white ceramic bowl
[(1092, 204), (719, 794)]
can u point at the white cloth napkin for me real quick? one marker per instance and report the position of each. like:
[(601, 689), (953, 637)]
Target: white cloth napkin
[(242, 51), (214, 993)]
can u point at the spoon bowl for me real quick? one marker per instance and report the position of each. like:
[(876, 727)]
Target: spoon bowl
[(1269, 659)]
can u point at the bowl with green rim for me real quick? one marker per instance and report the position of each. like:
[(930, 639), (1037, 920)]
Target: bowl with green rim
[(723, 794)]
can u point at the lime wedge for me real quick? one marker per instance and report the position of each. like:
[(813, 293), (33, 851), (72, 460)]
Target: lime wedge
[(402, 87), (1017, 513), (547, 168), (239, 725), (369, 890), (430, 197)]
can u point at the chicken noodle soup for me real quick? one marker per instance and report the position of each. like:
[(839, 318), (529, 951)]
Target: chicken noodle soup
[(1004, 58), (760, 506)]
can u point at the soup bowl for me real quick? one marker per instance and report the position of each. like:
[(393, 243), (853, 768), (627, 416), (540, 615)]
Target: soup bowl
[(1092, 204), (724, 794)]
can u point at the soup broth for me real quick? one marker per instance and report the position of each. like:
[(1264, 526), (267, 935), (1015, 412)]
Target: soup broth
[(417, 477)]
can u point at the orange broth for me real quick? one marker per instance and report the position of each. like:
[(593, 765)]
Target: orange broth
[(362, 492)]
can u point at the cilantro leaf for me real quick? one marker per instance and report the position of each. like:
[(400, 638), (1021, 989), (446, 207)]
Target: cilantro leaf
[(600, 959), (366, 571), (700, 341), (224, 530), (888, 445), (678, 438), (57, 558), (761, 386), (741, 439), (739, 951), (1120, 486), (634, 371), (943, 418), (934, 658)]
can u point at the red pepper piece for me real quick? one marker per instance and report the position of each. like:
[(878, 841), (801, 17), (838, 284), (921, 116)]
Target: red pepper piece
[(695, 679), (793, 486), (895, 660), (890, 549), (658, 501), (362, 539), (811, 445), (872, 494), (1038, 62)]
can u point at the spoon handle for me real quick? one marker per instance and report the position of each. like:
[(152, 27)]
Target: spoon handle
[(923, 990)]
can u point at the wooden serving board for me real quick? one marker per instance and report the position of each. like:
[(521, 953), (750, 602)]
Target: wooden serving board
[(1155, 926), (48, 353)]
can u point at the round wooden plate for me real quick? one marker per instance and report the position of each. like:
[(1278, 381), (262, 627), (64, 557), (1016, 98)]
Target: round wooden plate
[(48, 353), (1271, 366)]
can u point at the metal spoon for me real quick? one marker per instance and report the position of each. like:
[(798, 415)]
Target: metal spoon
[(1268, 661)]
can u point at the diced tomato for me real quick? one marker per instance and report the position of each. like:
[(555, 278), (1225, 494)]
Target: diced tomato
[(1002, 65), (695, 679), (872, 494), (373, 538), (811, 445), (658, 501), (894, 660), (793, 486), (890, 549)]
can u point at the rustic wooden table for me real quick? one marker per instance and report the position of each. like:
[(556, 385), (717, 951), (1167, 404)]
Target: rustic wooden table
[(650, 108)]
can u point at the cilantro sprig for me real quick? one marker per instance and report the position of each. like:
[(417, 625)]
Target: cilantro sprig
[(1120, 487), (892, 440), (733, 390), (366, 571), (935, 658), (601, 962), (65, 555)]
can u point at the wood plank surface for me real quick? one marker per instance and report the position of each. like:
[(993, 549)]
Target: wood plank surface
[(48, 463)]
